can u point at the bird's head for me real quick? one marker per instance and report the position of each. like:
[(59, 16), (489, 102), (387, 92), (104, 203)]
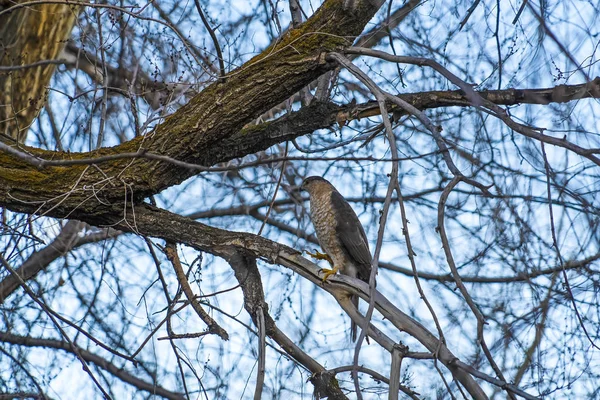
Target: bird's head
[(313, 182)]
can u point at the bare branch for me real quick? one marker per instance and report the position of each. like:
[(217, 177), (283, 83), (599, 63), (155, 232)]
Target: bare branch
[(260, 372), (213, 327), (88, 356), (246, 273)]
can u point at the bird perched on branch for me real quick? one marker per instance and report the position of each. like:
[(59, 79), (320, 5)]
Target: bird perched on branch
[(340, 233)]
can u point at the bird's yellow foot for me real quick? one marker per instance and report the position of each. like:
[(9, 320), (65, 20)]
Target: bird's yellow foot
[(321, 256), (328, 272)]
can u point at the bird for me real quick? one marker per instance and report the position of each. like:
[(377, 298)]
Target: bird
[(340, 234)]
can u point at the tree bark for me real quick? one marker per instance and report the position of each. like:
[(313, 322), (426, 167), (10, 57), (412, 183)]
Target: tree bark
[(29, 35), (217, 113)]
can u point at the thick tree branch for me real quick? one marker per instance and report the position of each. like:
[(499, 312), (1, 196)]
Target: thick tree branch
[(248, 276), (17, 175), (217, 113), (28, 35)]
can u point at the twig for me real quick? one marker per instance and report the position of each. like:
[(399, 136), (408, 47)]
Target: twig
[(476, 100), (469, 13), (376, 376), (100, 137), (463, 290), (4, 68), (413, 263), (213, 36), (171, 311), (184, 336), (540, 327), (283, 164), (213, 327), (497, 382), (43, 306), (375, 35), (557, 249), (142, 153), (260, 373), (110, 7), (523, 4), (561, 46)]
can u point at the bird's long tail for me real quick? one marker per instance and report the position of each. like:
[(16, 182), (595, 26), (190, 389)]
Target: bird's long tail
[(353, 326)]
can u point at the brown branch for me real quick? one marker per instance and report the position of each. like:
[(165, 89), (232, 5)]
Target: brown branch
[(213, 36), (247, 274), (252, 139), (218, 112), (213, 326), (29, 35)]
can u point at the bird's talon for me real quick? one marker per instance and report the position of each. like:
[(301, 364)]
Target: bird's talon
[(320, 256), (328, 272)]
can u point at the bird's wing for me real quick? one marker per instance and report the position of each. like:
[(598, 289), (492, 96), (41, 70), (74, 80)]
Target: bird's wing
[(352, 234)]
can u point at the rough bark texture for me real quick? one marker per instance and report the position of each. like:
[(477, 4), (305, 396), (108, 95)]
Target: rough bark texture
[(50, 182), (28, 35), (217, 113)]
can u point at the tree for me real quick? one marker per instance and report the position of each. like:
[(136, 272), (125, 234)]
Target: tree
[(149, 177)]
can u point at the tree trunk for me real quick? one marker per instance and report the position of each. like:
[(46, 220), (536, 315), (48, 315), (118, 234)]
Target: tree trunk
[(29, 35)]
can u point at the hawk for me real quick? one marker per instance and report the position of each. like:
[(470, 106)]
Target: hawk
[(340, 233)]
